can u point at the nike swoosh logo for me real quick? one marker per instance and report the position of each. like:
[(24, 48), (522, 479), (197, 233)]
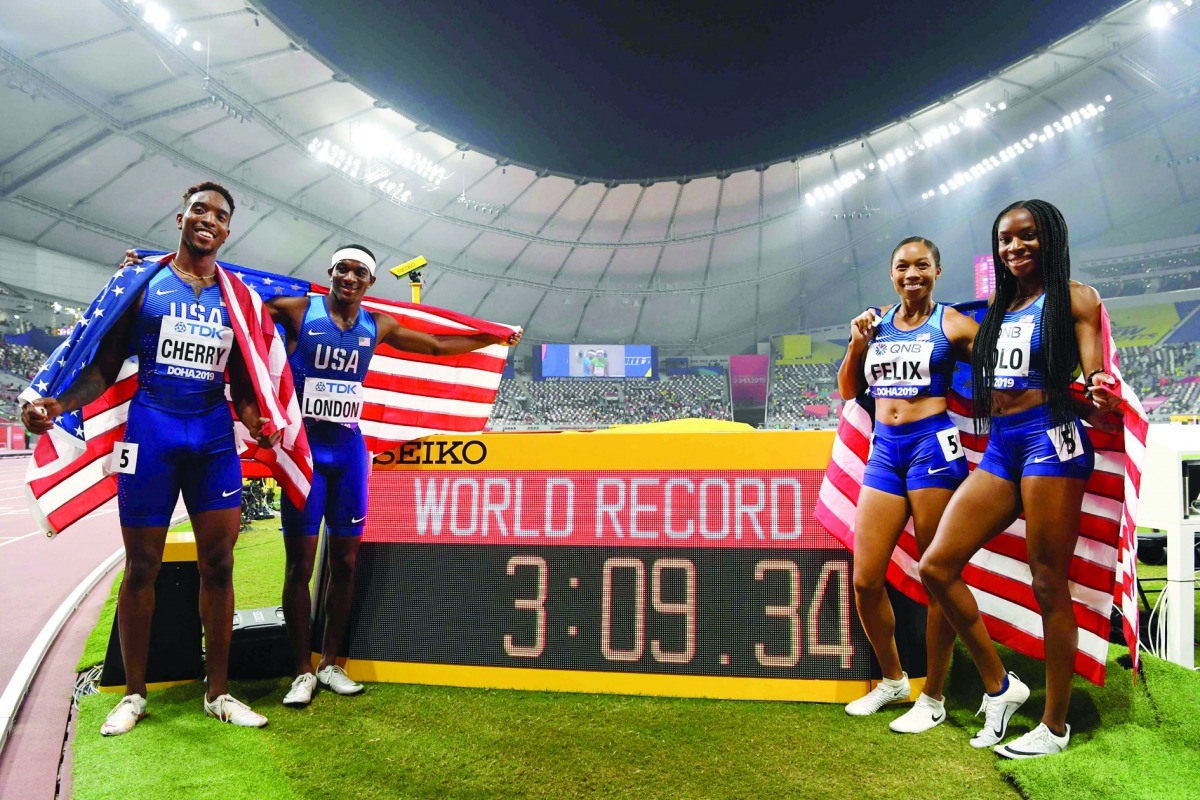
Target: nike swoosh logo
[(1045, 458), (160, 291), (314, 333), (936, 471), (939, 719), (230, 494), (356, 521)]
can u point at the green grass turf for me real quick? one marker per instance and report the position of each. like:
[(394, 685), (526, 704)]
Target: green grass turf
[(433, 742), (257, 582)]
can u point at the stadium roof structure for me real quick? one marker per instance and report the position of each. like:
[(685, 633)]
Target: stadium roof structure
[(112, 107)]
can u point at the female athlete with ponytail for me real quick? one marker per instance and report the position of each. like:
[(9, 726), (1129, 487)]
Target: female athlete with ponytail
[(905, 360), (1040, 326)]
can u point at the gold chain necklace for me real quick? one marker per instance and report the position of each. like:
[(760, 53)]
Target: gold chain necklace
[(192, 275)]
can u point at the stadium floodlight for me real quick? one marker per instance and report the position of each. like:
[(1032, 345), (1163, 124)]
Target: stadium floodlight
[(370, 140), (197, 46), (156, 17), (1159, 16), (973, 118)]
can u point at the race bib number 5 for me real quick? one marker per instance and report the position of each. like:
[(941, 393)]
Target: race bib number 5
[(123, 459), (951, 446)]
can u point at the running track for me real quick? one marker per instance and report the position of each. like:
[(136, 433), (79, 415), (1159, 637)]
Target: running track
[(36, 575)]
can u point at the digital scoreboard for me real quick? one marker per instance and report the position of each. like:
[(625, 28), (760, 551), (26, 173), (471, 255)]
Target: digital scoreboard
[(682, 564)]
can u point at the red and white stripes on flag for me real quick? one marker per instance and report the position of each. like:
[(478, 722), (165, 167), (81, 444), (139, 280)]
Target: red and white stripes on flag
[(410, 395), (1103, 569), (265, 353)]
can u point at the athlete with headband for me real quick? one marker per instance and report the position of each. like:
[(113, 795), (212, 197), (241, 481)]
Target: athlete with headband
[(330, 342)]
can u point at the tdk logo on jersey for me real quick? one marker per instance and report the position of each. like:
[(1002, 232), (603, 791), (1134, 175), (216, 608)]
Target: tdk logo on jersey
[(335, 358), (338, 388), (199, 329), (456, 451)]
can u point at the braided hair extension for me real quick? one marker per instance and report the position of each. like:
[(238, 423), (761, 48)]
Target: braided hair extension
[(1059, 346)]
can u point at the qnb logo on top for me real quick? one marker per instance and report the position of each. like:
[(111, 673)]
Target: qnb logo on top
[(193, 343)]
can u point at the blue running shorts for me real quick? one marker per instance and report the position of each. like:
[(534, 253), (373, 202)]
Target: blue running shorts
[(1026, 443), (916, 455), (339, 484), (194, 453)]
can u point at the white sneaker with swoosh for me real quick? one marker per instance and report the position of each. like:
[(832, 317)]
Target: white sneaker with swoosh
[(1038, 742), (925, 714), (998, 711)]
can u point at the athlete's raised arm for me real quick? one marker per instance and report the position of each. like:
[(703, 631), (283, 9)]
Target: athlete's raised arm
[(395, 335)]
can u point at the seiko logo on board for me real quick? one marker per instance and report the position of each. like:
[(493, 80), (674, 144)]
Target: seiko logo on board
[(457, 451)]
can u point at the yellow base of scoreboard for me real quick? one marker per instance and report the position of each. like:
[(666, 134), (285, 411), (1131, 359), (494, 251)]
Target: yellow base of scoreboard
[(595, 682)]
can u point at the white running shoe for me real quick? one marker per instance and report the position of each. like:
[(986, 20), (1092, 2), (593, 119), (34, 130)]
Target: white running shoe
[(1038, 742), (926, 713), (122, 718), (301, 692), (999, 711), (336, 679), (879, 697), (228, 709)]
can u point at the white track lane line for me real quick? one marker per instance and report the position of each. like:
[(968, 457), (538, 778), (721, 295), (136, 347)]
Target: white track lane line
[(22, 677)]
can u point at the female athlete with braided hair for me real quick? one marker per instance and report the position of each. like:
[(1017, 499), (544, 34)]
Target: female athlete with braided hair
[(1040, 326)]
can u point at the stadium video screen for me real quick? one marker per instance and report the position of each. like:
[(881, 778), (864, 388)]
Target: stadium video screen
[(598, 361)]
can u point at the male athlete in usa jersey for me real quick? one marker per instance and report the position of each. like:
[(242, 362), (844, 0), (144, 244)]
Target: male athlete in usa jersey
[(330, 343)]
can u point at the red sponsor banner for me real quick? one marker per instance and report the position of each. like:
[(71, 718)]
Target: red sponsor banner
[(686, 508)]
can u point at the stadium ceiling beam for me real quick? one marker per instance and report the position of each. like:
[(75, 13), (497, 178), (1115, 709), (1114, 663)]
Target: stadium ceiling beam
[(55, 160), (66, 48), (80, 222), (236, 63), (611, 257), (712, 242), (637, 325)]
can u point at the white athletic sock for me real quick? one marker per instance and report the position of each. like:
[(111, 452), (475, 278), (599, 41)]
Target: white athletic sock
[(895, 683)]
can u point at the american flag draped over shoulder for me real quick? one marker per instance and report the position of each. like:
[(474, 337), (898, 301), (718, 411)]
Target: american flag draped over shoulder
[(1103, 569), (67, 476)]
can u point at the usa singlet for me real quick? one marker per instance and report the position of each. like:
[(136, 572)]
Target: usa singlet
[(179, 436), (909, 363), (333, 363), (329, 366), (1019, 349), (182, 344)]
